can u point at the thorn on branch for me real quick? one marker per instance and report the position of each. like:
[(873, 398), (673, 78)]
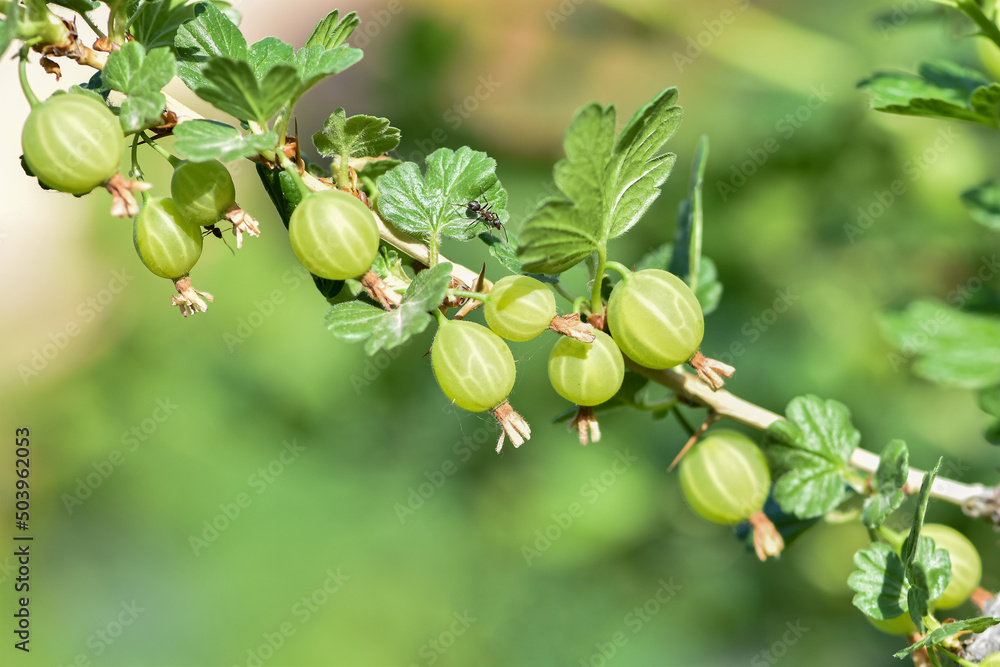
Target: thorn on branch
[(570, 325), (513, 426), (710, 370), (712, 417)]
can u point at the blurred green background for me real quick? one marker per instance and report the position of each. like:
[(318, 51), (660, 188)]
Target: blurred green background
[(240, 488)]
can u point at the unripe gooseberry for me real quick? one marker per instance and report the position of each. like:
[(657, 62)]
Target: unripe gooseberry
[(966, 566), (655, 318), (72, 143), (168, 243), (472, 364), (519, 308), (334, 235), (202, 191), (586, 373), (725, 477), (992, 660), (900, 625)]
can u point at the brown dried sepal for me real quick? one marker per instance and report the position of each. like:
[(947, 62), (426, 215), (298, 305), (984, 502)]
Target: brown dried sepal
[(585, 423), (243, 222), (570, 325), (72, 48), (50, 67), (513, 424), (767, 540), (188, 299), (105, 45), (379, 291), (711, 370), (123, 202), (599, 321)]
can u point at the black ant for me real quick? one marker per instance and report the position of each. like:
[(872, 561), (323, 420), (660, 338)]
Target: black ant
[(217, 233), (484, 212)]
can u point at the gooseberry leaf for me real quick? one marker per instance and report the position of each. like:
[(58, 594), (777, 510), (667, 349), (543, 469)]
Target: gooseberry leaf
[(502, 248), (233, 88), (950, 346), (879, 584), (141, 76), (687, 262), (316, 62), (426, 292), (157, 23), (331, 33), (353, 321), (910, 544), (983, 203), (357, 136), (203, 140), (890, 477), (709, 289), (928, 576), (809, 451), (939, 634), (940, 89), (210, 33), (433, 204), (607, 184), (264, 55)]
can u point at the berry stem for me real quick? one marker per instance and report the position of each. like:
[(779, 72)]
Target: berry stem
[(989, 28), (620, 268), (22, 73), (156, 147), (465, 294), (292, 171)]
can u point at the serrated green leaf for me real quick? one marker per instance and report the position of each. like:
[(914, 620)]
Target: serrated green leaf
[(140, 76), (951, 347), (890, 476), (608, 185), (210, 34), (928, 575), (910, 544), (879, 583), (357, 136), (809, 452), (432, 205), (157, 23), (503, 248), (331, 33), (938, 635), (939, 90), (687, 265), (397, 326), (353, 321), (203, 140), (233, 88), (636, 172), (266, 54), (983, 203), (86, 92), (709, 289), (893, 467), (314, 63), (389, 266)]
